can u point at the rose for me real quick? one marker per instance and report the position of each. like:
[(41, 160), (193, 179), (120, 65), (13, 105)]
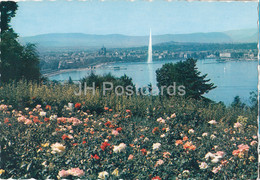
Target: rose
[(156, 146), (121, 147), (103, 175), (57, 148)]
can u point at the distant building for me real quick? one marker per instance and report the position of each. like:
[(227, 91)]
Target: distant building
[(211, 56), (103, 51), (225, 55)]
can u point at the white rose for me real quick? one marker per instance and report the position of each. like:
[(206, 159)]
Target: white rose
[(213, 122), (103, 175), (57, 148), (156, 146), (42, 113), (205, 134), (203, 165), (121, 147), (191, 131)]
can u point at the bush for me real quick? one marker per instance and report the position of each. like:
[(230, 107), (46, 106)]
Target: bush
[(176, 142), (99, 81)]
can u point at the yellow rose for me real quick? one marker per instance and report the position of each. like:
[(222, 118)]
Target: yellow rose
[(45, 145), (116, 172), (2, 171)]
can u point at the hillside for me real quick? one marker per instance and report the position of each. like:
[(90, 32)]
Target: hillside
[(117, 40)]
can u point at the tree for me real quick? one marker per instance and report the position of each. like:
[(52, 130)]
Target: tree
[(10, 56), (7, 9), (184, 73), (30, 62), (254, 99), (123, 81), (70, 81), (237, 103), (17, 61)]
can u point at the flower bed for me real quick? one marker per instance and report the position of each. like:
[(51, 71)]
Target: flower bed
[(36, 143)]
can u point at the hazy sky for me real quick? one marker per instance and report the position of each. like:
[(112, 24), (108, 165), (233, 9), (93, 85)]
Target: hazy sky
[(132, 18)]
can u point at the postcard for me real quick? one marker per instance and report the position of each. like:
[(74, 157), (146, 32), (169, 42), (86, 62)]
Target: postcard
[(129, 90)]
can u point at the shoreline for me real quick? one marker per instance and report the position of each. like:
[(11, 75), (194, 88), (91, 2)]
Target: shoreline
[(99, 66), (75, 69)]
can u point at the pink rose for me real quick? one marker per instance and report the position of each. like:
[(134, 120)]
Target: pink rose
[(21, 119), (237, 125), (63, 173), (76, 172), (221, 154), (243, 147), (28, 121), (159, 162), (72, 171), (216, 169), (75, 121), (131, 157), (253, 143), (115, 132)]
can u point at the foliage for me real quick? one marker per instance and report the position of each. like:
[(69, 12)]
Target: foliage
[(237, 102), (184, 141), (17, 61), (254, 100), (184, 73), (99, 81), (7, 9)]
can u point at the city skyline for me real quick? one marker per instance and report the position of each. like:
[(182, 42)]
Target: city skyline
[(133, 18)]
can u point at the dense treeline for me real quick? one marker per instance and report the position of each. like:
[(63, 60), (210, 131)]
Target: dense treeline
[(205, 46)]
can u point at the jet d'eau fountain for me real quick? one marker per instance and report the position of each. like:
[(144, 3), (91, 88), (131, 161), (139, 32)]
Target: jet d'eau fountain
[(150, 50), (150, 59)]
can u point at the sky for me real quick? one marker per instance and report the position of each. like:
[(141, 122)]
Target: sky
[(132, 18)]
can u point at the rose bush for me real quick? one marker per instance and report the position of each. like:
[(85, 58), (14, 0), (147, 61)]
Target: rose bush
[(49, 132), (79, 144)]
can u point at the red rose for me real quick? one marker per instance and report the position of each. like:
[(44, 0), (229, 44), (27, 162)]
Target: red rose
[(144, 151), (108, 123), (95, 157), (104, 145), (156, 129), (77, 105), (48, 107), (6, 120), (64, 137), (46, 119), (156, 178)]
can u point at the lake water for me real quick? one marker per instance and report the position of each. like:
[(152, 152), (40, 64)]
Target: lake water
[(232, 78)]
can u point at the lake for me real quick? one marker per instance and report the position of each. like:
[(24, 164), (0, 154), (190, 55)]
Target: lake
[(232, 78)]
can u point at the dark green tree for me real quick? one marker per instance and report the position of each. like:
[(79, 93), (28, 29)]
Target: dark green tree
[(10, 56), (254, 100), (7, 9), (123, 81), (17, 61), (184, 73), (30, 62), (70, 81), (237, 103)]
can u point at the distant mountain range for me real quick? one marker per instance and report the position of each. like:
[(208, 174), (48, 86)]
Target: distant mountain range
[(75, 40)]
